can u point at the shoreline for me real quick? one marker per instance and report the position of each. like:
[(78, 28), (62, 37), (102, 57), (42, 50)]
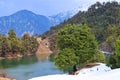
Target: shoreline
[(6, 78), (20, 56), (3, 76), (14, 56)]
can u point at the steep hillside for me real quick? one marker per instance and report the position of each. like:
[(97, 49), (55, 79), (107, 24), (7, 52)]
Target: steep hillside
[(99, 16), (43, 47), (102, 18)]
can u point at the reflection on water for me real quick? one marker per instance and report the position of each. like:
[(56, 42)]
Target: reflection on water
[(28, 67), (18, 61), (41, 57)]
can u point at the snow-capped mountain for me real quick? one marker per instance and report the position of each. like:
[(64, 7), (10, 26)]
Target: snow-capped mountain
[(25, 21), (60, 17)]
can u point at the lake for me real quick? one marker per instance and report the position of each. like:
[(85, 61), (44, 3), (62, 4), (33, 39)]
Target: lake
[(28, 67)]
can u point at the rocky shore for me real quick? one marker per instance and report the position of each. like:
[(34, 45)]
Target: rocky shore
[(3, 76)]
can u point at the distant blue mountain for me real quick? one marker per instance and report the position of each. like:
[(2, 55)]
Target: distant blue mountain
[(25, 21)]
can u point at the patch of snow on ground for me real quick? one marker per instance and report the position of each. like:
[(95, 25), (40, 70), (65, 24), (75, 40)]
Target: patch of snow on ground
[(96, 69), (100, 72)]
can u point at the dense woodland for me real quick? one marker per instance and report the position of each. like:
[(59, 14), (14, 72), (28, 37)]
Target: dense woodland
[(11, 45), (102, 18), (104, 21)]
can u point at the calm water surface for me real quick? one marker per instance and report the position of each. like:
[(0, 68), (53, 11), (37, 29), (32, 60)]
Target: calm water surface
[(28, 67)]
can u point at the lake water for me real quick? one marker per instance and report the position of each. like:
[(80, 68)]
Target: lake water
[(28, 67)]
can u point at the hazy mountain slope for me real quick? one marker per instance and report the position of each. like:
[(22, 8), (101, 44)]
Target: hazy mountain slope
[(26, 21)]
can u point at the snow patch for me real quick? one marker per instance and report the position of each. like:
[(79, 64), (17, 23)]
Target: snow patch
[(96, 69), (99, 72)]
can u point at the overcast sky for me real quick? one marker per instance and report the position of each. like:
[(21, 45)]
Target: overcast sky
[(44, 7)]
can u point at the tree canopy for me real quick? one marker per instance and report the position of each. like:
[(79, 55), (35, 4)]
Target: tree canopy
[(114, 59), (77, 43), (11, 45)]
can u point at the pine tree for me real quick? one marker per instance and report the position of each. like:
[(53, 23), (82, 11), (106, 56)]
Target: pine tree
[(80, 39), (4, 46), (114, 59), (29, 43), (25, 42), (65, 59), (15, 43)]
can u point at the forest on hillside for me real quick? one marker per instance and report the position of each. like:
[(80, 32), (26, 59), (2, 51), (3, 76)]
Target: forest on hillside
[(104, 21), (11, 46), (102, 18)]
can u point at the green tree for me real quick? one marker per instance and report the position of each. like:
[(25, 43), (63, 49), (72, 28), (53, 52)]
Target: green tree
[(25, 42), (4, 46), (11, 34), (80, 39), (15, 43), (53, 43), (29, 43), (34, 44), (65, 59), (110, 35), (98, 57), (114, 59)]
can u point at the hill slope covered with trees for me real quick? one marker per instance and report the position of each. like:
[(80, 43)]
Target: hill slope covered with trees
[(102, 18)]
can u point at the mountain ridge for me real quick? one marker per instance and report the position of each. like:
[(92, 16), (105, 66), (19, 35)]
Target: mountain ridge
[(25, 21)]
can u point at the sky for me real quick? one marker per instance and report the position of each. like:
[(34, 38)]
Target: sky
[(44, 7)]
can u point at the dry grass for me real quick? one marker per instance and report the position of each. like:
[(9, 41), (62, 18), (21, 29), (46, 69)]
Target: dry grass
[(89, 65)]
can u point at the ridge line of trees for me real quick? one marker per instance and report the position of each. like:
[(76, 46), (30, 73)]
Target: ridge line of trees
[(11, 45)]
